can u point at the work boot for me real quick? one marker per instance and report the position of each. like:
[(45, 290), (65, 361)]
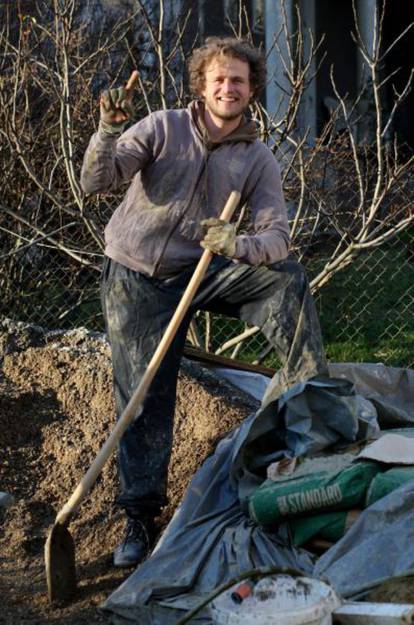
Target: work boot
[(137, 544)]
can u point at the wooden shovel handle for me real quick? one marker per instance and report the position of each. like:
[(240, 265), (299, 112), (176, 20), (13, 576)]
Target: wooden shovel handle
[(88, 480)]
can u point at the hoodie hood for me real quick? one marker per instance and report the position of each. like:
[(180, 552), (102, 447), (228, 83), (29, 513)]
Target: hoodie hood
[(245, 131)]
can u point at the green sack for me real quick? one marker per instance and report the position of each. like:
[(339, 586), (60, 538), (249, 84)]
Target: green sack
[(330, 526), (294, 497), (386, 482)]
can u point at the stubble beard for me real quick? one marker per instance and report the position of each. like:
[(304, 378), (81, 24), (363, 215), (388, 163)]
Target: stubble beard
[(230, 116)]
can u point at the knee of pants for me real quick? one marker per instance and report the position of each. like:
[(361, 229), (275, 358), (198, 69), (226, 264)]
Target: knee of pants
[(296, 268), (298, 279)]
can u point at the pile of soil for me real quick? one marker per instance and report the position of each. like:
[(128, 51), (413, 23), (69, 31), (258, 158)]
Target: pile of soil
[(56, 410)]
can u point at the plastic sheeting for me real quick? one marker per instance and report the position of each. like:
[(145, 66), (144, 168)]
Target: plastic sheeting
[(210, 539), (391, 390)]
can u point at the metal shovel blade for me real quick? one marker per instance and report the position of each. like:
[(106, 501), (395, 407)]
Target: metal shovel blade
[(60, 564)]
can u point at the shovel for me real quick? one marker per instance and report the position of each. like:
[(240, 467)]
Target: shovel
[(60, 547)]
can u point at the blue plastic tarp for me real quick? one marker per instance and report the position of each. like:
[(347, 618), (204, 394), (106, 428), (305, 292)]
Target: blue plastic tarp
[(210, 539)]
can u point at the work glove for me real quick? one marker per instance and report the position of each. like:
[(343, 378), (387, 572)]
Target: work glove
[(219, 237), (116, 106)]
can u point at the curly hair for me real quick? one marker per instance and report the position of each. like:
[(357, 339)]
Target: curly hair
[(230, 47)]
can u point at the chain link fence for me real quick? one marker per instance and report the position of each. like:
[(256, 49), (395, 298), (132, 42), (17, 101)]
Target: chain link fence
[(366, 304), (366, 314), (366, 310)]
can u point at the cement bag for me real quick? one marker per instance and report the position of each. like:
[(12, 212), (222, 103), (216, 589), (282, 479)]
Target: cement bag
[(274, 502), (330, 526), (386, 482)]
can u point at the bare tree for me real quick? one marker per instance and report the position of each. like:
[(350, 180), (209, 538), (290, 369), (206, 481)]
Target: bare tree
[(348, 196), (54, 64)]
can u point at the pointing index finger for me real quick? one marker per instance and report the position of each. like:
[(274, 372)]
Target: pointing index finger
[(132, 80)]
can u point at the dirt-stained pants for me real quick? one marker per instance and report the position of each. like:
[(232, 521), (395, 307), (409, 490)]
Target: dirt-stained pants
[(137, 310)]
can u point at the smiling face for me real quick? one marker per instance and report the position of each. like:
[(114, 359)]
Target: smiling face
[(227, 90)]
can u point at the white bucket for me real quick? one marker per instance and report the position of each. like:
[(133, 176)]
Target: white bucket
[(278, 600)]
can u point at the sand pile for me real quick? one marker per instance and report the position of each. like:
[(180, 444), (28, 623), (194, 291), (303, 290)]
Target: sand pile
[(56, 410)]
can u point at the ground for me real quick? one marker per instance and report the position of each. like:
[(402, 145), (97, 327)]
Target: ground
[(56, 410)]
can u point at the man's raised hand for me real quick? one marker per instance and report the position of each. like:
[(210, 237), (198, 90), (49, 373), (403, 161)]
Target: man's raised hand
[(116, 104)]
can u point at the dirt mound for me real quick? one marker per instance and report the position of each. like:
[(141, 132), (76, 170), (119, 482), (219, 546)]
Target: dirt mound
[(56, 410)]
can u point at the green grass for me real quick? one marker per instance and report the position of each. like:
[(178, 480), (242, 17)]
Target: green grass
[(366, 311), (395, 353)]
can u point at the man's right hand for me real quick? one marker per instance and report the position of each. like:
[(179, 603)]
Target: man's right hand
[(116, 105)]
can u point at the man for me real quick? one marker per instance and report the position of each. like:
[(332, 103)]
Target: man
[(182, 166)]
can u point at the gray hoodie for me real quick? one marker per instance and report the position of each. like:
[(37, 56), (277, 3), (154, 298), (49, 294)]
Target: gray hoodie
[(177, 178)]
